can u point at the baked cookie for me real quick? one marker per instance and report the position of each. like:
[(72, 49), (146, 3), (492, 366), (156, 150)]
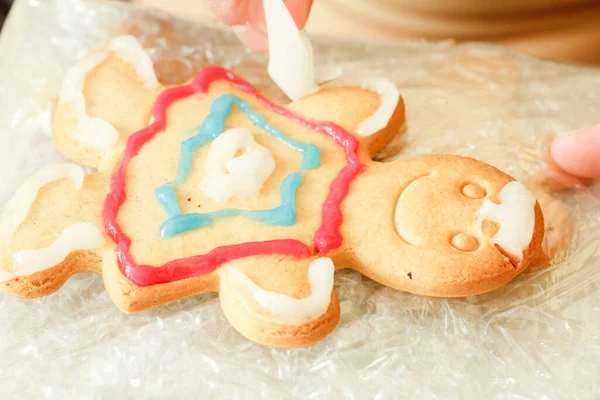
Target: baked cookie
[(210, 187)]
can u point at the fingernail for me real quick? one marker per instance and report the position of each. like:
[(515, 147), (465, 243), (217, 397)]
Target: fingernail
[(252, 36)]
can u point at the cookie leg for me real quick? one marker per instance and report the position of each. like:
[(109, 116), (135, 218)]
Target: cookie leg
[(51, 229), (269, 309)]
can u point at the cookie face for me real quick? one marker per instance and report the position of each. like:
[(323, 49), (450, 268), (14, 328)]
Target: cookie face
[(220, 190), (443, 221)]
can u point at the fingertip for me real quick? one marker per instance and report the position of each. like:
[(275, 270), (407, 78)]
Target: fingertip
[(252, 37), (578, 153)]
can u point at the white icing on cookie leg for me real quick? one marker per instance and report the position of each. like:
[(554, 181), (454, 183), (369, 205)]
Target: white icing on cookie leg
[(515, 217), (19, 204), (389, 95), (227, 176), (96, 131), (79, 236), (290, 52), (286, 310)]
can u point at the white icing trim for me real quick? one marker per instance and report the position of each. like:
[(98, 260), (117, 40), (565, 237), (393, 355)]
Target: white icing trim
[(290, 53), (515, 217), (96, 131), (285, 309), (79, 236), (227, 176), (387, 91), (128, 49), (19, 204)]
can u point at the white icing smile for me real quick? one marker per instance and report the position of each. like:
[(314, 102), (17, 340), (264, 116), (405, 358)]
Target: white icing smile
[(227, 176), (515, 217)]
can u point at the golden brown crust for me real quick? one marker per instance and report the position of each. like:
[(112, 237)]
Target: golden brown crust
[(410, 224)]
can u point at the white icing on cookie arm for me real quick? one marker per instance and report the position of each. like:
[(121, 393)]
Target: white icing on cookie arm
[(515, 217), (79, 236), (92, 130), (388, 93), (282, 309)]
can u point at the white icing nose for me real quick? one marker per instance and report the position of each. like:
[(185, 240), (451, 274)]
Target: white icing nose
[(515, 216)]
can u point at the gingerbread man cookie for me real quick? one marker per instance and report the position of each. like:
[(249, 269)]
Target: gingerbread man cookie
[(211, 187)]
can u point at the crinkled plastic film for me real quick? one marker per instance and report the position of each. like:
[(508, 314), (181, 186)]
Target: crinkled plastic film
[(538, 337)]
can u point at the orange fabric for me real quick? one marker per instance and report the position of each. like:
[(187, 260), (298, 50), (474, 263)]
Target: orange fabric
[(565, 30)]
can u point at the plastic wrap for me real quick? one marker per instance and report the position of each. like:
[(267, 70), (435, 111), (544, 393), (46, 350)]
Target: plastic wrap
[(538, 337)]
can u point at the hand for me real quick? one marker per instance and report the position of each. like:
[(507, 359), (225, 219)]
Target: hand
[(578, 153), (248, 20)]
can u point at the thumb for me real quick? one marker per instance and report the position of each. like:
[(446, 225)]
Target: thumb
[(578, 152)]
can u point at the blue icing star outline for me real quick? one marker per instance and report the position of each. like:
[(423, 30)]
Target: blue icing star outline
[(211, 128)]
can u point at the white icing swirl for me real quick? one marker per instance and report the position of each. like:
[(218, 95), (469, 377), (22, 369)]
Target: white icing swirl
[(389, 95), (96, 131), (287, 310), (226, 175), (515, 217), (79, 236), (290, 53)]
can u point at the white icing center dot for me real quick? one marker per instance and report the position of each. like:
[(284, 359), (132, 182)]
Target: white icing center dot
[(515, 217), (227, 175), (287, 310)]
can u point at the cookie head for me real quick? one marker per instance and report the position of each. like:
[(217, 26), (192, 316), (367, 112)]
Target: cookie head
[(449, 226)]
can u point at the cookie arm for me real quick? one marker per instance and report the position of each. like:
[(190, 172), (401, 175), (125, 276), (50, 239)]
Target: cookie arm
[(105, 97), (349, 107)]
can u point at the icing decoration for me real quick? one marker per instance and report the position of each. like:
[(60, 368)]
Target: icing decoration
[(80, 236), (227, 176), (515, 217), (213, 127), (325, 239), (389, 95), (290, 52), (18, 206), (128, 49), (287, 310), (96, 131)]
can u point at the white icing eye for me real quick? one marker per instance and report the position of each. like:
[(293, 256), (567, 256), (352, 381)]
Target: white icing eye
[(227, 175), (290, 52), (515, 217)]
